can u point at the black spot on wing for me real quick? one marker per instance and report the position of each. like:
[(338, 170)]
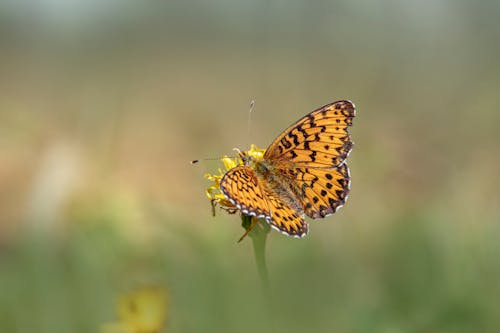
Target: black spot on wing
[(286, 143)]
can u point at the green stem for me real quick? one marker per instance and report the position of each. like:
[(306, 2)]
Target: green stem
[(259, 230)]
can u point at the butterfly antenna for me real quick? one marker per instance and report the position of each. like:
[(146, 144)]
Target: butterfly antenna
[(250, 111), (210, 159)]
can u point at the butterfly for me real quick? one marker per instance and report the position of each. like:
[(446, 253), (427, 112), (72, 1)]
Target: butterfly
[(302, 173)]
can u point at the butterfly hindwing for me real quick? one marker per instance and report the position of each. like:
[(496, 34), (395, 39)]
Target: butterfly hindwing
[(322, 191), (285, 219)]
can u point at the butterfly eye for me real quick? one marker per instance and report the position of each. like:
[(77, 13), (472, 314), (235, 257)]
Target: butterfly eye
[(246, 159)]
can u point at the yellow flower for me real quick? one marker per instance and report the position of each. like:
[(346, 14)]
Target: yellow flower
[(214, 193), (142, 310)]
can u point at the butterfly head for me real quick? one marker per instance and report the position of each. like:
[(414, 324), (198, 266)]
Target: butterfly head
[(244, 156), (250, 157)]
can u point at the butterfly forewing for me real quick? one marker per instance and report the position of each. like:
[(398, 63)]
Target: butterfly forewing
[(320, 152), (319, 139), (240, 185), (254, 197)]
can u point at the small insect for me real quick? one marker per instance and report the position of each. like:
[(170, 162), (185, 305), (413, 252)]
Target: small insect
[(303, 172)]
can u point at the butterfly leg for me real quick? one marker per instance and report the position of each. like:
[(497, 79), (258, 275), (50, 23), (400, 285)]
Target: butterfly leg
[(212, 203), (253, 222)]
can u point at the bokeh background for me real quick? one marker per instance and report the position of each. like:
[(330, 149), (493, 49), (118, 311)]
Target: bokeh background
[(104, 103)]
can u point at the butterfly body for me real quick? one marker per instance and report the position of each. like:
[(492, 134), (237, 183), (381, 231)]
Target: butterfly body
[(303, 172), (279, 184)]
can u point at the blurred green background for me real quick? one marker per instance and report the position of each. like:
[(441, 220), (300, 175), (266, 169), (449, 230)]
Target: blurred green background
[(104, 103)]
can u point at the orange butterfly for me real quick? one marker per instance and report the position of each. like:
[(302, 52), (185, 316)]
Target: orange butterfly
[(303, 172)]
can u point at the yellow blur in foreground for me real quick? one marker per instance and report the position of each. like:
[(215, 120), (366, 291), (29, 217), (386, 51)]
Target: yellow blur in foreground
[(143, 310)]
